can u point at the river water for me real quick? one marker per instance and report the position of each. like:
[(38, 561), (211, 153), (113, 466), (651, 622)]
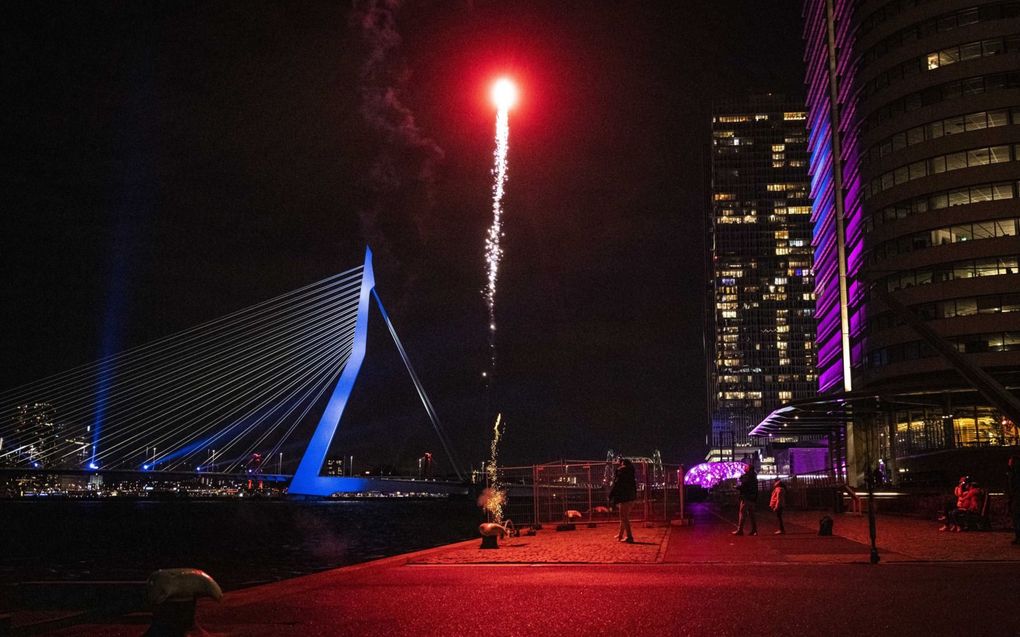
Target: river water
[(240, 543)]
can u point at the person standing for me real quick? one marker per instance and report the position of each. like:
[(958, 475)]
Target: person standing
[(1013, 493), (748, 489), (623, 494), (777, 502)]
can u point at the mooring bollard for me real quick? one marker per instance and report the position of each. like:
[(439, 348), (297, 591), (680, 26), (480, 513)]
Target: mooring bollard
[(490, 531), (173, 592)]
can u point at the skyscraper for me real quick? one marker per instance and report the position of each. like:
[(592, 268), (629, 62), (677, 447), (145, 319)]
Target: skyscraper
[(762, 294), (914, 120)]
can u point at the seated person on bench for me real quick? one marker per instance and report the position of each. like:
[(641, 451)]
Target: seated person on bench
[(969, 514), (960, 493)]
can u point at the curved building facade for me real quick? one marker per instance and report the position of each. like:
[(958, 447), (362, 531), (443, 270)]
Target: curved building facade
[(914, 120)]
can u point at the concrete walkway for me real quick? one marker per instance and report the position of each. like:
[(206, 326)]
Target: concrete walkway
[(909, 539), (680, 580)]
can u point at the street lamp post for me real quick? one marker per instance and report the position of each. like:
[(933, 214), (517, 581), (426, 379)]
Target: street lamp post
[(869, 481)]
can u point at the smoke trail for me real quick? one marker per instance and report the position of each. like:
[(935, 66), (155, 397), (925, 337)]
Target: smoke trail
[(404, 166)]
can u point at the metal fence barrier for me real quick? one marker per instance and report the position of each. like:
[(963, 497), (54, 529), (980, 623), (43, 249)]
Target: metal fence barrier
[(543, 494)]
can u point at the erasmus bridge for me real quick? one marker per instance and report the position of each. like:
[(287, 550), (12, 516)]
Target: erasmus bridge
[(209, 399)]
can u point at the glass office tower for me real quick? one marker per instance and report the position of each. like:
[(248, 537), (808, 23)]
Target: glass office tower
[(762, 295)]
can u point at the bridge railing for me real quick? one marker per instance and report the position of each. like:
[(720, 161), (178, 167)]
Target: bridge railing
[(543, 494)]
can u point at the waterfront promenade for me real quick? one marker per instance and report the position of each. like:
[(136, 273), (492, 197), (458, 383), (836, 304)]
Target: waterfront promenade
[(690, 580)]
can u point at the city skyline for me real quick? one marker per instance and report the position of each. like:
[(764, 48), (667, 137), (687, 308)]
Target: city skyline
[(382, 316), (172, 165)]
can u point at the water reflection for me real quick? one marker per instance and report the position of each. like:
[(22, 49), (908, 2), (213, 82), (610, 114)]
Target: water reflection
[(240, 543)]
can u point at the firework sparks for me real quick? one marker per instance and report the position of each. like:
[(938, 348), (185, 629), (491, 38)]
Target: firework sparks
[(494, 497), (504, 94)]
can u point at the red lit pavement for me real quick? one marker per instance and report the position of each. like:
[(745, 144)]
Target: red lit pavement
[(695, 580)]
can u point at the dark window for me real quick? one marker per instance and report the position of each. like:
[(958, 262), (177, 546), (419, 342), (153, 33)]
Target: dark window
[(959, 197), (956, 161), (1010, 302), (954, 125), (972, 50), (988, 304), (1011, 341)]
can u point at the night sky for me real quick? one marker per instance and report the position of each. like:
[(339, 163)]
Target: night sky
[(168, 163)]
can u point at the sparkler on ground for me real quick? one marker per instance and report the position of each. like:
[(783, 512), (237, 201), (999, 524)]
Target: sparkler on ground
[(504, 94), (493, 497)]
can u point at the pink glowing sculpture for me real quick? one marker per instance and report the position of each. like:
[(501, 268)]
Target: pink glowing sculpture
[(709, 474)]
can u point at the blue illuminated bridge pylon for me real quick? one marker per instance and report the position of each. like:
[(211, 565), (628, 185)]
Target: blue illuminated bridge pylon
[(213, 396), (308, 479)]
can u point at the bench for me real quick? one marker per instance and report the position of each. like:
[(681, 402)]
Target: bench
[(981, 520)]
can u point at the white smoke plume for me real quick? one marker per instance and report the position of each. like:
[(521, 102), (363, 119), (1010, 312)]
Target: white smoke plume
[(402, 172)]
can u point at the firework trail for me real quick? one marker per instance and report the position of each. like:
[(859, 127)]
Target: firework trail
[(504, 94)]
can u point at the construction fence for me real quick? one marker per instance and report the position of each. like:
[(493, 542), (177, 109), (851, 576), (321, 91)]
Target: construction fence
[(544, 494)]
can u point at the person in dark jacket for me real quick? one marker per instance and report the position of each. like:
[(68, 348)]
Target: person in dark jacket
[(623, 494), (748, 489), (1013, 494)]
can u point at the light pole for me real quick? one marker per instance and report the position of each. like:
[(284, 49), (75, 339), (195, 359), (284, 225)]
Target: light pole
[(279, 465), (869, 481)]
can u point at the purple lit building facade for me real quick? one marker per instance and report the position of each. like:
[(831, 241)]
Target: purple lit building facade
[(761, 305), (914, 140)]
